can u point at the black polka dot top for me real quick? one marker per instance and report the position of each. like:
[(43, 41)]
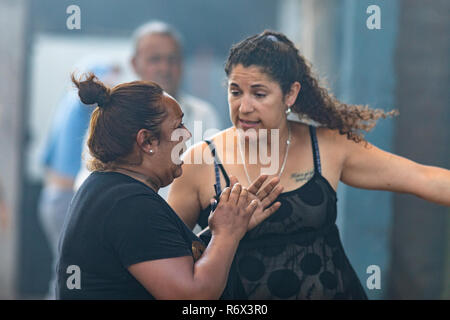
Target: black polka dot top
[(296, 253)]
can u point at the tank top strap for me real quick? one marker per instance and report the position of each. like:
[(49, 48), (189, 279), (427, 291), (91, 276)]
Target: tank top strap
[(315, 149), (217, 165)]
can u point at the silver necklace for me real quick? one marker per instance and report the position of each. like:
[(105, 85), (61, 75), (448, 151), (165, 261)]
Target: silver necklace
[(288, 143)]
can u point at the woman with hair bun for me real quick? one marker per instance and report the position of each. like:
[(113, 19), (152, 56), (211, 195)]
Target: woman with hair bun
[(121, 240), (62, 157), (297, 252)]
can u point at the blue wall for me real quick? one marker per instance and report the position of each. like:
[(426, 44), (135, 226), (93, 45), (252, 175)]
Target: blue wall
[(366, 76)]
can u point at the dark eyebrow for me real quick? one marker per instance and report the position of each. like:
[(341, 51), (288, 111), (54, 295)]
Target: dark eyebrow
[(257, 85)]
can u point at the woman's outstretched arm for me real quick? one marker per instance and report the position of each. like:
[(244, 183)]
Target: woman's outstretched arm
[(369, 167)]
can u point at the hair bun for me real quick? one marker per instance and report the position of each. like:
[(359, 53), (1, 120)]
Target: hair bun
[(92, 91)]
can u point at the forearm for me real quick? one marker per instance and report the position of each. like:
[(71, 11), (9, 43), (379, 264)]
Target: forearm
[(436, 187), (211, 270)]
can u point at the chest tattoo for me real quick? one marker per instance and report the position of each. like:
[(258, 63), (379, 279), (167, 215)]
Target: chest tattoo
[(303, 176)]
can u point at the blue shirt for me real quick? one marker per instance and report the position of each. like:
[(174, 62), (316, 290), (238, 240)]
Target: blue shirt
[(64, 146)]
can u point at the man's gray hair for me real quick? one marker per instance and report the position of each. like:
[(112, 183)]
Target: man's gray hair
[(156, 27)]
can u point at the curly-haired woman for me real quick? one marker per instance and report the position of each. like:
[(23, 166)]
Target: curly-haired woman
[(297, 252)]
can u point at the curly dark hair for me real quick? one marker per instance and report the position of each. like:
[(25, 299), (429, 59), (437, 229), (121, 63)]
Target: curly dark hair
[(282, 61)]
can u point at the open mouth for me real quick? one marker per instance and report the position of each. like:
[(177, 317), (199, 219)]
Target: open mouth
[(247, 123), (179, 160)]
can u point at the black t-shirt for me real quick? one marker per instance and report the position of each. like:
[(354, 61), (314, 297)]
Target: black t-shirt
[(115, 221)]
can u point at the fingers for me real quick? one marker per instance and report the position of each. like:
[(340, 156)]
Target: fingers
[(272, 196), (269, 211), (233, 180), (236, 196), (256, 185), (235, 193), (266, 213), (225, 195), (267, 189), (251, 207), (243, 198)]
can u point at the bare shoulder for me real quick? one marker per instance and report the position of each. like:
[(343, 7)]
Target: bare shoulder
[(330, 136), (331, 140), (185, 191), (195, 156), (200, 154), (339, 143), (221, 136), (198, 161), (333, 149)]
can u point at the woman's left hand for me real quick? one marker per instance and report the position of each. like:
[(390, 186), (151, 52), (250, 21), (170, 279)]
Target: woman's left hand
[(265, 198)]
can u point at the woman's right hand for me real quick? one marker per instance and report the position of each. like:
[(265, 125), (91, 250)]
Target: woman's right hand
[(233, 213)]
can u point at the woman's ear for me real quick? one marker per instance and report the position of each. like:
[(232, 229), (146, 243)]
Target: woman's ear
[(291, 96), (146, 141)]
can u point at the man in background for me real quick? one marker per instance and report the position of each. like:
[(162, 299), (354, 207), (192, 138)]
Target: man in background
[(158, 57)]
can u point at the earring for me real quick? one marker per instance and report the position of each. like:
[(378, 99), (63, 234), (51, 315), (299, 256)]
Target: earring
[(150, 151), (288, 110)]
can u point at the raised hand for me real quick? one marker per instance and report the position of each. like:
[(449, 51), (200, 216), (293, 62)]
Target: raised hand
[(264, 198), (233, 213)]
